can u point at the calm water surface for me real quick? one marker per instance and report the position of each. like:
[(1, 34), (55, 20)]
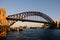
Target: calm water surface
[(34, 34)]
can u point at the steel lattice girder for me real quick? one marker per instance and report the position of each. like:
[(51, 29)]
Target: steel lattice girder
[(31, 13)]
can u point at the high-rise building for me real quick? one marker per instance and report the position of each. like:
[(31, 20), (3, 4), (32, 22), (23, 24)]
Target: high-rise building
[(57, 24)]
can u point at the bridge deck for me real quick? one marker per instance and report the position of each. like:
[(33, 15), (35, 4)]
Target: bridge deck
[(17, 19)]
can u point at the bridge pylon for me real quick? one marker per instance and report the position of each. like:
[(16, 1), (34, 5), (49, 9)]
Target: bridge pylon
[(3, 17)]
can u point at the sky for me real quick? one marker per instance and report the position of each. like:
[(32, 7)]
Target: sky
[(48, 7)]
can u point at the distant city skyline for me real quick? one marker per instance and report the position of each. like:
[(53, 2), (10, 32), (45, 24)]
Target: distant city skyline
[(49, 7), (27, 24)]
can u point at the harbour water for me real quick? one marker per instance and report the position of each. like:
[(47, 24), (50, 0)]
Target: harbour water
[(34, 34)]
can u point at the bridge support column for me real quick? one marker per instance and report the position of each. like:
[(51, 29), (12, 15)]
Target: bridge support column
[(3, 23), (3, 17)]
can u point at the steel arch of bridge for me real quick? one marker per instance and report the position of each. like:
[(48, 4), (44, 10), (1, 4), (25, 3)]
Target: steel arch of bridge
[(31, 13)]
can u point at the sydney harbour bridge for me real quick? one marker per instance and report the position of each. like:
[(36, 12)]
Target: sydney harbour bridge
[(31, 16)]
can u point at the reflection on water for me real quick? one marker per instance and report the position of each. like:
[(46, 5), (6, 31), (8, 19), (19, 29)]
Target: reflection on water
[(33, 34)]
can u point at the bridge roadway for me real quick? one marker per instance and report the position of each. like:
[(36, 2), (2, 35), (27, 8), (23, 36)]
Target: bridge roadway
[(27, 20)]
